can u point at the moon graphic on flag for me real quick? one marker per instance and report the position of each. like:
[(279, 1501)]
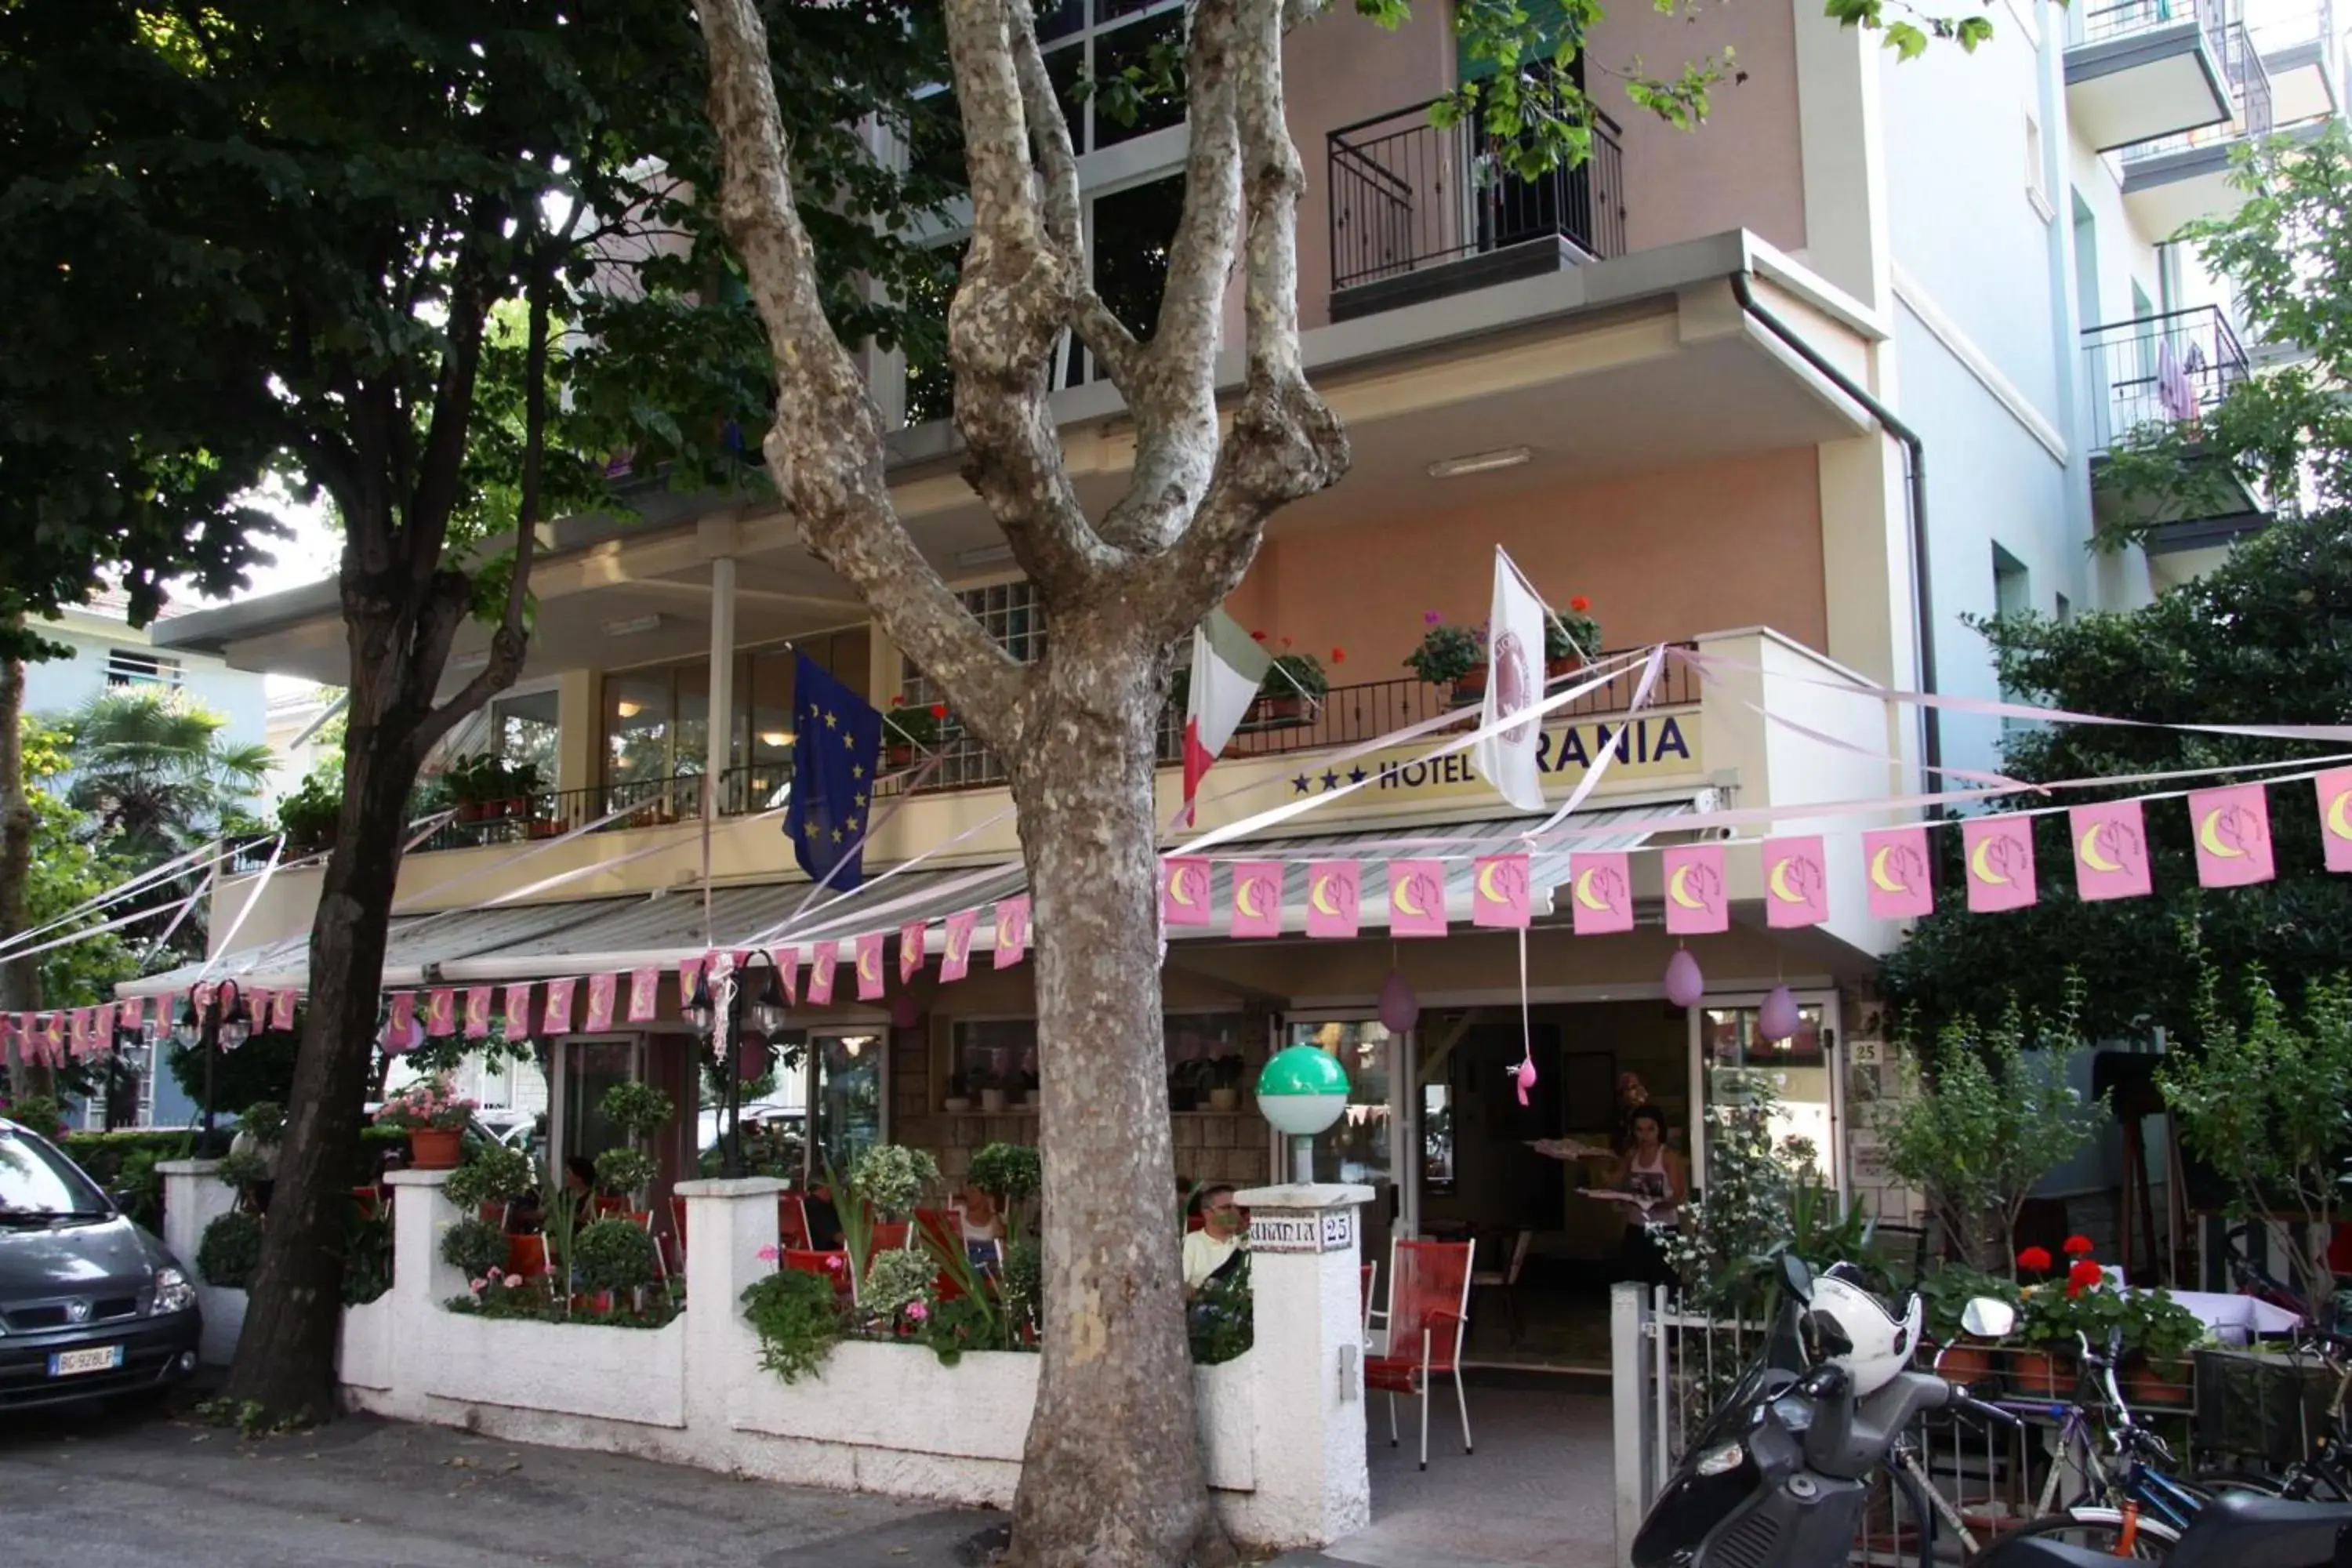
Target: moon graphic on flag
[(2225, 832), (1879, 877), (1679, 889), (869, 966), (1315, 897), (2092, 855), (957, 942), (1245, 898), (1181, 885), (1980, 864), (1584, 890), (1403, 896), (2338, 822), (1502, 882), (1511, 684), (1778, 879)]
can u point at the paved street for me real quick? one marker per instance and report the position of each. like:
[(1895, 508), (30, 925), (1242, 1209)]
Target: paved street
[(135, 1489)]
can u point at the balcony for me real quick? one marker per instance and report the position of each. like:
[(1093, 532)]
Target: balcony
[(2167, 370), (2146, 69), (1418, 212), (2175, 180)]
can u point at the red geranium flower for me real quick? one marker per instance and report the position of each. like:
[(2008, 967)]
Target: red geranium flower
[(2072, 1291), (1337, 657), (1257, 637), (2034, 1260), (2078, 1247), (1580, 604), (897, 699), (939, 710), (2084, 1273)]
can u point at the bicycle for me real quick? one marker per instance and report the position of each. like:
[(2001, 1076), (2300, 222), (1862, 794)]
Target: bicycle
[(2324, 1475)]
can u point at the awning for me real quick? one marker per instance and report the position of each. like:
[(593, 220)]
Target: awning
[(1457, 845)]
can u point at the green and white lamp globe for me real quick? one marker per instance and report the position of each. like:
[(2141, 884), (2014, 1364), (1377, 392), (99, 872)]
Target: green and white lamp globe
[(1302, 1090)]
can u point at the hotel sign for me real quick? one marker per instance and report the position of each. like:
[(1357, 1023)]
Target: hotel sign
[(1652, 746)]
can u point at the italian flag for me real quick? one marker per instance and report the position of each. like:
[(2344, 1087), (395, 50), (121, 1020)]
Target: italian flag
[(1228, 666)]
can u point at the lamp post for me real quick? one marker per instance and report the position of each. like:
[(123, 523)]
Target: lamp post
[(720, 1018), (1302, 1090), (219, 1023)]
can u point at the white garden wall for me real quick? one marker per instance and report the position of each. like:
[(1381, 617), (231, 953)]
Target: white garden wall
[(876, 1417)]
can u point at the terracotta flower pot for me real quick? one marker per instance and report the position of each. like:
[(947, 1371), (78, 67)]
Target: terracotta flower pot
[(2039, 1374), (1470, 688), (469, 811), (2158, 1382), (1555, 668), (1963, 1363), (435, 1149), (1281, 712)]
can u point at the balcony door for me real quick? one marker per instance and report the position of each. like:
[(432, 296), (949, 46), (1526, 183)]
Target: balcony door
[(1506, 208)]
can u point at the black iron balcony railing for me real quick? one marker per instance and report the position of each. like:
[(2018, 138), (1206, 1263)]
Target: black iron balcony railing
[(2105, 24), (2169, 370), (2250, 90), (1406, 194)]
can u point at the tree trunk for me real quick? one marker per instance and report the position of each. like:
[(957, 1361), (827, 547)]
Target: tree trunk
[(20, 978), (1112, 1472), (285, 1356)]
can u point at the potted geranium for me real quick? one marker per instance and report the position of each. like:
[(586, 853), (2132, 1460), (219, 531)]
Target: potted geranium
[(1290, 682), (307, 817), (470, 782), (1571, 638), (1452, 657), (435, 1116), (2160, 1331), (906, 728), (2064, 1308)]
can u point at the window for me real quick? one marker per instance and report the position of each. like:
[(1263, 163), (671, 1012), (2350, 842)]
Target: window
[(131, 667), (524, 729), (2066, 608), (655, 721), (2012, 594), (1100, 40), (930, 383), (2037, 189), (848, 1097), (1128, 236), (1009, 613)]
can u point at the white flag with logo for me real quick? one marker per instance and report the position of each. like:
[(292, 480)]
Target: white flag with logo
[(1514, 683)]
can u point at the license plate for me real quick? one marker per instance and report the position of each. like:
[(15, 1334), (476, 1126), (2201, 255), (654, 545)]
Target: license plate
[(65, 1364)]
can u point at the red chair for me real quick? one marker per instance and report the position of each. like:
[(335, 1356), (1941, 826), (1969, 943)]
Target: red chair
[(1370, 1273), (611, 1208), (677, 1229), (791, 1221), (889, 1234), (526, 1256), (644, 1218), (491, 1214), (368, 1200), (832, 1266), (1428, 1315)]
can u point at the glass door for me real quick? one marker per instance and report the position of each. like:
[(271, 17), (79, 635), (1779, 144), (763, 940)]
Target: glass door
[(587, 1069), (1728, 1056), (847, 1098), (1369, 1145)]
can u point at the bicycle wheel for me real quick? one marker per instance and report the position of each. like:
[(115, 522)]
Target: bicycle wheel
[(2099, 1530), (2213, 1483)]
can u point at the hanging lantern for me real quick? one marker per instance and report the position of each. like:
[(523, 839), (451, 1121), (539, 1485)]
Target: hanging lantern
[(398, 1042), (905, 1011), (1399, 1007), (1778, 1018), (1684, 984)]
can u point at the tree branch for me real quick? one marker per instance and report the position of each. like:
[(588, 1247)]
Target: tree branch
[(1104, 334), (1284, 442), (825, 450)]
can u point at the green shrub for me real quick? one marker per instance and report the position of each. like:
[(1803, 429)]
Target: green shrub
[(230, 1251), (492, 1173), (241, 1170), (797, 1316), (1009, 1173), (265, 1119), (614, 1254), (1022, 1283), (898, 1278), (42, 1114), (636, 1109), (621, 1172), (474, 1248)]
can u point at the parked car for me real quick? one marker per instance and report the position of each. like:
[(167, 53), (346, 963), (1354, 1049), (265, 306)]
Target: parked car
[(91, 1305)]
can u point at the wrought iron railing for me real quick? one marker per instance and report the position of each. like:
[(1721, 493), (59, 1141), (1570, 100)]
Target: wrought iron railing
[(1406, 194), (2105, 24), (2165, 370), (2250, 90)]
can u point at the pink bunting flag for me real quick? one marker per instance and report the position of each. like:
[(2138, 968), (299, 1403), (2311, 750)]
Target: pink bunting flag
[(1011, 931), (645, 994), (1184, 891), (53, 1034), (955, 958), (689, 975), (824, 957), (1896, 862), (1697, 903), (441, 1013), (1416, 898), (81, 1035), (1999, 851), (2234, 835), (518, 1014), (1600, 892), (912, 936), (281, 1009), (102, 1030), (478, 1011), (788, 971), (1334, 888), (2334, 788), (2110, 851), (867, 962), (604, 990), (1257, 899), (257, 1000), (556, 1018), (1498, 892), (403, 1015), (134, 1012), (1796, 882)]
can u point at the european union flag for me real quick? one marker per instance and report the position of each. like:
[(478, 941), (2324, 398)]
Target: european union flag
[(837, 744)]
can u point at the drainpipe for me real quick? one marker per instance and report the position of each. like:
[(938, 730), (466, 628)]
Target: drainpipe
[(1931, 737)]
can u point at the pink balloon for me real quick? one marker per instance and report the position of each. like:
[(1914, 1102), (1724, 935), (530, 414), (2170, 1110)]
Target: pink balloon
[(1525, 1075), (750, 1058), (905, 1012), (1399, 1007), (1684, 984), (1778, 1018)]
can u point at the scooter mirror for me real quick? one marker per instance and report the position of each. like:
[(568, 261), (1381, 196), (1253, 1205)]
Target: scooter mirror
[(1989, 1318), (1796, 1277)]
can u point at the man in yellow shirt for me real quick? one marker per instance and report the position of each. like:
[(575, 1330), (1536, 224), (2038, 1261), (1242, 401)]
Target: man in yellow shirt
[(1212, 1250)]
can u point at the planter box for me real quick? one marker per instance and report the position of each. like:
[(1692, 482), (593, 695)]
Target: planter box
[(573, 1369), (365, 1351)]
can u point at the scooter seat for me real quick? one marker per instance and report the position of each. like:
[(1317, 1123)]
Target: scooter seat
[(2240, 1529)]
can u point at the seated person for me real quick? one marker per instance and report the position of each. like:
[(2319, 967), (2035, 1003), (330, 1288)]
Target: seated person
[(1215, 1249), (984, 1228), (823, 1219)]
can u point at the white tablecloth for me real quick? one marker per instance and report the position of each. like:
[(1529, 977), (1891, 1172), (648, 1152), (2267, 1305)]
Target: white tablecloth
[(2236, 1318)]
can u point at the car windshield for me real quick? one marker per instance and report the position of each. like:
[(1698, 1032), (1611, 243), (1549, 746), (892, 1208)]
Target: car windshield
[(38, 1183)]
